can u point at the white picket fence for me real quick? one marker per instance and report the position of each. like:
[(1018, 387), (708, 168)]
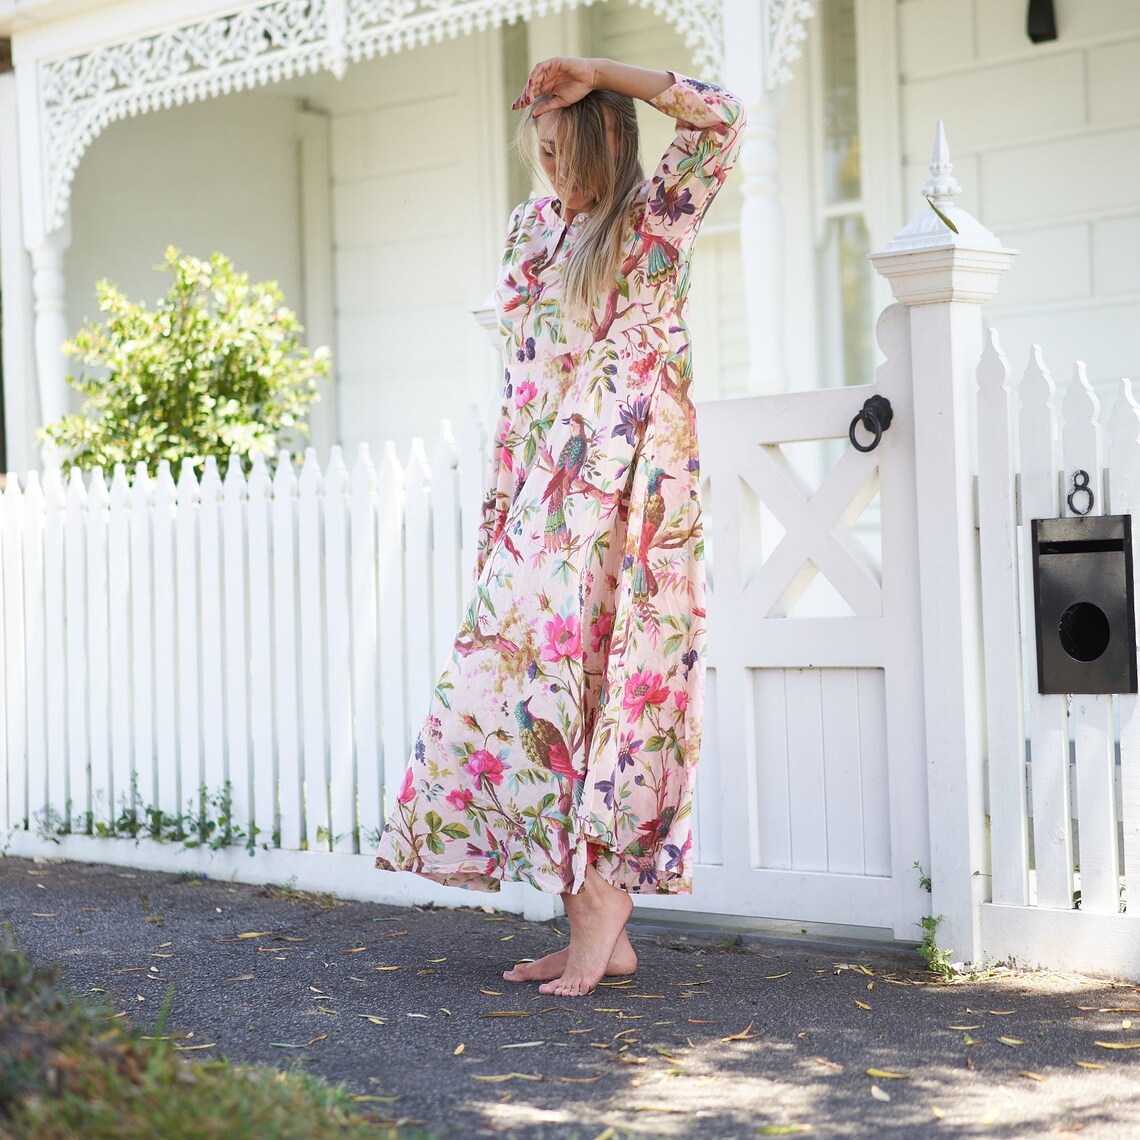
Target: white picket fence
[(275, 634), (1063, 771)]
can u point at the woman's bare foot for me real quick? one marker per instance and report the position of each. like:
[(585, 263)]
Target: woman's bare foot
[(598, 914), (622, 961)]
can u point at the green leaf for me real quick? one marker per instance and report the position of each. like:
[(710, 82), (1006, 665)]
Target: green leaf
[(455, 831), (655, 744), (433, 820), (945, 220), (435, 844)]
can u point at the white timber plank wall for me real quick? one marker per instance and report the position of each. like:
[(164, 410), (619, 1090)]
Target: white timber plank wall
[(1017, 114)]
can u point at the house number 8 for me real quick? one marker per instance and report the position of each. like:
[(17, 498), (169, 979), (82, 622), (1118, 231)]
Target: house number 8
[(1080, 485)]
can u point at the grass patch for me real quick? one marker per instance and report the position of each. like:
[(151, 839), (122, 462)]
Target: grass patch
[(69, 1067)]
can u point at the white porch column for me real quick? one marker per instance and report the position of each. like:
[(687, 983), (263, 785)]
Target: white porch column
[(21, 405), (754, 73), (49, 292), (944, 277)]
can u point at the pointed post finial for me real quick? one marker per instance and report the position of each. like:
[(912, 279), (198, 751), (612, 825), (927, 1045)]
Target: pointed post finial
[(941, 185)]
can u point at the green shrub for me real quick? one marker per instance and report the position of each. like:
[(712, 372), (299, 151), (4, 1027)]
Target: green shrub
[(217, 368)]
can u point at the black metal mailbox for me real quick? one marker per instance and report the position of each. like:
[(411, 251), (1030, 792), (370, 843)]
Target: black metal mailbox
[(1082, 585)]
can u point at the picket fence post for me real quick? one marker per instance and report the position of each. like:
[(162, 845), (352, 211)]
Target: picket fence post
[(944, 275)]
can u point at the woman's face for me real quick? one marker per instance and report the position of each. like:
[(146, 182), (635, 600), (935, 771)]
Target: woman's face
[(573, 199)]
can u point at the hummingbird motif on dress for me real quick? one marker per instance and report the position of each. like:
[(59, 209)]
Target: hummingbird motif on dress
[(529, 289), (571, 459), (644, 583), (543, 744), (545, 748), (642, 852)]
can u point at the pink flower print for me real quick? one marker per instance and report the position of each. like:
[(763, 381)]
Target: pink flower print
[(681, 700), (601, 628), (644, 689), (407, 792), (563, 639), (459, 798), (526, 392), (484, 768)]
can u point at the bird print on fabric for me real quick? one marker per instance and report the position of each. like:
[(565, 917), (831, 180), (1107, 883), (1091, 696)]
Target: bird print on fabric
[(644, 583), (570, 461)]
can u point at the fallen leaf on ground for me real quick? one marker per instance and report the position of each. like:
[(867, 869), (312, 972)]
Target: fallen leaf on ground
[(256, 934), (623, 982), (700, 1021), (373, 1018), (779, 1130), (436, 961), (506, 938), (1030, 1075), (500, 1077), (284, 1045), (356, 949), (886, 1074), (381, 1099), (579, 1080), (743, 1035), (523, 1045), (1118, 1044), (968, 1040), (862, 1004), (507, 1013), (829, 1064), (492, 993), (53, 914), (1089, 1064), (1001, 1012), (963, 1027), (389, 967), (936, 1112), (459, 1049), (319, 993), (417, 1015), (1011, 1041), (288, 938), (878, 1093), (187, 1048), (605, 1009), (774, 977), (325, 1009), (393, 934), (155, 955)]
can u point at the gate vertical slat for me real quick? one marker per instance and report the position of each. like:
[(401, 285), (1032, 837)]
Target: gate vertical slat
[(99, 674), (1001, 629), (119, 621), (260, 596), (75, 585), (13, 680), (341, 770), (1091, 714), (1047, 714), (803, 715), (310, 543), (214, 770), (236, 646), (35, 641), (445, 545), (1124, 498), (287, 652), (417, 579), (839, 702), (165, 646), (391, 640), (143, 789), (365, 688), (189, 640)]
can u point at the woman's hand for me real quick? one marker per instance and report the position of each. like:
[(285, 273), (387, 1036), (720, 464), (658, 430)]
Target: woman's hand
[(561, 80)]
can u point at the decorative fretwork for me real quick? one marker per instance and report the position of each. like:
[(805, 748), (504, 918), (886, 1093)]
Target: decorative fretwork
[(784, 31), (264, 42)]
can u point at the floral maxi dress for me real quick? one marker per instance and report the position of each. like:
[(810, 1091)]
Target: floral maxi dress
[(565, 728)]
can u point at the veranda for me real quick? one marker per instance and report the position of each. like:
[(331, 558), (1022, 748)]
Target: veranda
[(276, 636)]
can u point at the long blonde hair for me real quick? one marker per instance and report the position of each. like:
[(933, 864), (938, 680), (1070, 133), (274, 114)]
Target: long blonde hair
[(596, 142)]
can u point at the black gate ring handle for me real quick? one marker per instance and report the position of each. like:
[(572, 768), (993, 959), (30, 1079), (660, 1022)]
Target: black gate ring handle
[(875, 415)]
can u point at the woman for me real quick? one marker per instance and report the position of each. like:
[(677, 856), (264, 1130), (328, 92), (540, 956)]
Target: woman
[(562, 738)]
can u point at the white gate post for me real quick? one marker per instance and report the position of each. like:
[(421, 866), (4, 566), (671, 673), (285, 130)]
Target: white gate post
[(944, 277)]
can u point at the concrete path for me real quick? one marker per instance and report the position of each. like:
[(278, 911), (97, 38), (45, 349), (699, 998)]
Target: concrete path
[(715, 1037)]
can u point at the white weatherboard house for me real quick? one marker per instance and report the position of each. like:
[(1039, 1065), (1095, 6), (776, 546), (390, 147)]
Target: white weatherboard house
[(356, 151)]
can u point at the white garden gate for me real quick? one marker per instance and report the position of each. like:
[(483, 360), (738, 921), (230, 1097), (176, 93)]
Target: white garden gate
[(811, 798)]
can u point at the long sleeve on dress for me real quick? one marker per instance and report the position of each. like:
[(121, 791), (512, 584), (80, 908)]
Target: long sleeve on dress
[(710, 123)]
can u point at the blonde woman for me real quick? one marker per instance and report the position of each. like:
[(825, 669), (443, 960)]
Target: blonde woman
[(562, 739)]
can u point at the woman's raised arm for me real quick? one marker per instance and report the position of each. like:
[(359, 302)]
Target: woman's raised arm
[(565, 80)]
